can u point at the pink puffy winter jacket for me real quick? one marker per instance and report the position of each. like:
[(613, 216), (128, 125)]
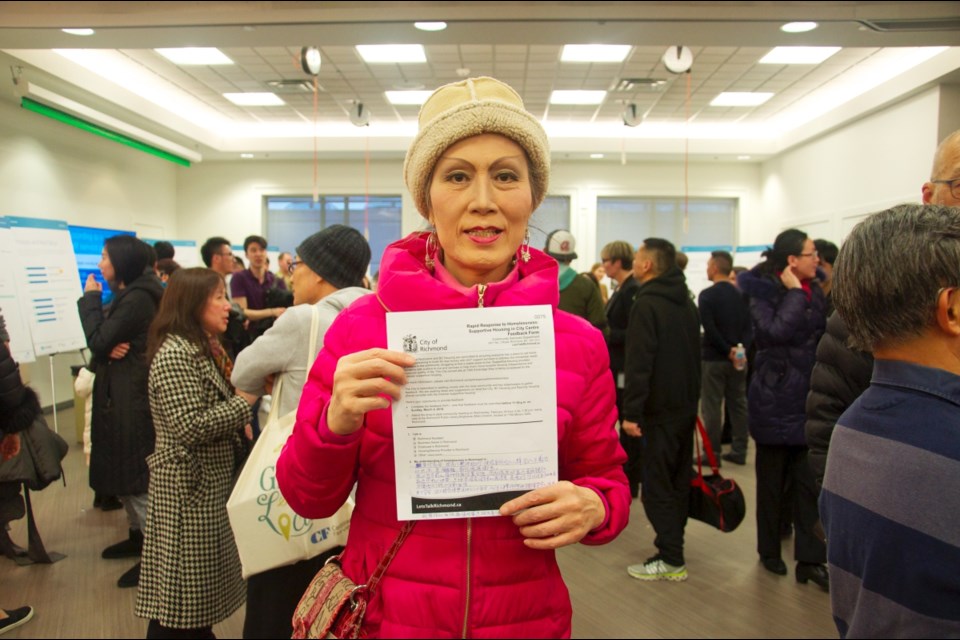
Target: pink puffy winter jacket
[(462, 577)]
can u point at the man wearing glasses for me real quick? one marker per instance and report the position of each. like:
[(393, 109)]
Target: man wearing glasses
[(944, 185)]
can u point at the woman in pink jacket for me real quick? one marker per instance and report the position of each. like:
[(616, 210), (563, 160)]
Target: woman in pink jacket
[(477, 170)]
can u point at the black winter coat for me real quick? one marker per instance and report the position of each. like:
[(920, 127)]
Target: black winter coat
[(662, 367), (840, 375), (786, 329), (19, 405), (618, 317), (121, 430)]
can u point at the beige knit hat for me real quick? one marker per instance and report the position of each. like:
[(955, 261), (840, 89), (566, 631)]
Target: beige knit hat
[(468, 108)]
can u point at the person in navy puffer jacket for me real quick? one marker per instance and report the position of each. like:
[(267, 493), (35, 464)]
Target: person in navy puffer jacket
[(788, 311)]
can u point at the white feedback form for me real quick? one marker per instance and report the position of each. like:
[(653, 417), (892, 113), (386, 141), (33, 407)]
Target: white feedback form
[(477, 423)]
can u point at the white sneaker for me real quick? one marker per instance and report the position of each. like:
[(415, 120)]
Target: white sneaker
[(657, 569)]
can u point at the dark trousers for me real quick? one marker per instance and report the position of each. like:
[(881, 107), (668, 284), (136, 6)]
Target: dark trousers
[(633, 447), (667, 464), (723, 385), (776, 466), (157, 630), (273, 596)]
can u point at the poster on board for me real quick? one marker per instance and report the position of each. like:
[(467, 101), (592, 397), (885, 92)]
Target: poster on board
[(48, 283), (696, 271), (185, 252), (21, 346), (88, 248), (749, 256)]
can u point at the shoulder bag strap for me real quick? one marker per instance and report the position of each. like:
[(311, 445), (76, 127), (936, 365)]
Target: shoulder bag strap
[(314, 326), (385, 561)]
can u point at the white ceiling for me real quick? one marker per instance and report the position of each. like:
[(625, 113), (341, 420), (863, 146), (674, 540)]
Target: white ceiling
[(890, 50)]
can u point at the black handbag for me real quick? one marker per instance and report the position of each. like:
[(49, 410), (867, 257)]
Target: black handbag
[(39, 461), (716, 500)]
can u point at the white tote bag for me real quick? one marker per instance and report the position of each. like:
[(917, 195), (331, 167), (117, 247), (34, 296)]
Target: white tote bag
[(268, 532)]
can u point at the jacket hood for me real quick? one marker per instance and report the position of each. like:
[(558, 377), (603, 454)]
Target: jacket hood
[(148, 283), (343, 298), (672, 285), (406, 284)]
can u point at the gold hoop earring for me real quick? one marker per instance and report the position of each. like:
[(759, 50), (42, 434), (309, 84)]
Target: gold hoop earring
[(431, 250), (525, 247)]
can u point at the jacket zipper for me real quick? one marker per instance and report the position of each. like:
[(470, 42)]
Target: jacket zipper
[(481, 289), (466, 607)]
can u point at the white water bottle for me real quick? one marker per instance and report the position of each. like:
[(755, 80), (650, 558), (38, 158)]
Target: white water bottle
[(740, 358)]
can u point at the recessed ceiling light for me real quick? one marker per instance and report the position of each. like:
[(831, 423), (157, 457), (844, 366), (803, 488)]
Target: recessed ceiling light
[(407, 97), (596, 156), (195, 56), (798, 55), (594, 52), (799, 27), (246, 155), (391, 53), (577, 97), (743, 157), (261, 99), (79, 32), (740, 99), (430, 26)]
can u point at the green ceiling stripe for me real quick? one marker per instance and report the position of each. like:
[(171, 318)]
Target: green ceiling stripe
[(66, 118)]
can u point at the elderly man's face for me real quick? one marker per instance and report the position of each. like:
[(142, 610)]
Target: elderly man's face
[(940, 193)]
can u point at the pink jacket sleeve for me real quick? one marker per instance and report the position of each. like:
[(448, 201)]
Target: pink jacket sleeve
[(590, 454), (317, 468)]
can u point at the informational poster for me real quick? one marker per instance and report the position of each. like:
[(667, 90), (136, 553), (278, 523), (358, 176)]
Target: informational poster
[(48, 284), (88, 248), (477, 423), (696, 271), (749, 256), (11, 308), (185, 252)]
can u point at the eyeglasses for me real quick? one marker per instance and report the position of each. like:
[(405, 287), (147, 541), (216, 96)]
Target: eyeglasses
[(954, 186), (293, 265), (807, 255)]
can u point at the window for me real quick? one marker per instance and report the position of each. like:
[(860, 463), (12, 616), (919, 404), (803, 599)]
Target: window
[(290, 219), (553, 213), (712, 221)]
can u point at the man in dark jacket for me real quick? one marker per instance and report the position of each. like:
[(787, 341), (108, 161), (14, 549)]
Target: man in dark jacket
[(662, 373), (726, 333), (617, 260)]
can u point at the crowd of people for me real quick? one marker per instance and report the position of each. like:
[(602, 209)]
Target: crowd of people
[(182, 357)]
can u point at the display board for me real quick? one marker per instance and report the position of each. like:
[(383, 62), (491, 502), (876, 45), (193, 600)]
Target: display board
[(21, 347), (87, 245), (749, 256), (696, 271), (185, 252), (48, 283)]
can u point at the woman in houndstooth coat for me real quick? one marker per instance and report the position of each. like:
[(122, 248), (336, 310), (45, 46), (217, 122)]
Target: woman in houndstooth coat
[(191, 578)]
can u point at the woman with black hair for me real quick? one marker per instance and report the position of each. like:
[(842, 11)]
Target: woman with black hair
[(121, 429), (788, 311)]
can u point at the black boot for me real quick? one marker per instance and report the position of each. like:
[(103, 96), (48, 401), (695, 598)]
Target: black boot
[(815, 572), (131, 578), (130, 548)]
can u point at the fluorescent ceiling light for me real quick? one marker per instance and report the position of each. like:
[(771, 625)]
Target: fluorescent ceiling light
[(407, 97), (391, 53), (596, 156), (740, 99), (58, 107), (798, 27), (430, 26), (594, 52), (577, 97), (743, 157), (246, 155), (254, 99), (79, 32), (186, 56), (798, 55)]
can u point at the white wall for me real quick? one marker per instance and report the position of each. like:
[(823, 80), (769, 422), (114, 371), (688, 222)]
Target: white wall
[(226, 198), (51, 170), (827, 185)]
